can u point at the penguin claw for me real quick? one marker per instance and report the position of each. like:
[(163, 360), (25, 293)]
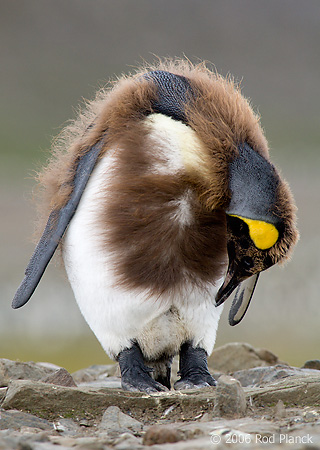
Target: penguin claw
[(141, 382), (196, 381)]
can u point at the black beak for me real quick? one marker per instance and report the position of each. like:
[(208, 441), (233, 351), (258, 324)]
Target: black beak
[(233, 278)]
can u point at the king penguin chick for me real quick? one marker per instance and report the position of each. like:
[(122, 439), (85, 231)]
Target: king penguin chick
[(165, 203)]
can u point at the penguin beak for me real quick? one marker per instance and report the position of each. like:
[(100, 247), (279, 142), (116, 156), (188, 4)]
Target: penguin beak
[(233, 278), (237, 278)]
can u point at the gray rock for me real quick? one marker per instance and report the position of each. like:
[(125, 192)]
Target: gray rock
[(16, 420), (91, 443), (95, 373), (115, 422), (280, 410), (178, 431), (202, 443), (14, 370), (61, 378), (128, 442), (99, 376), (294, 391), (192, 429), (259, 376), (239, 356), (77, 442), (26, 441), (53, 402), (108, 382), (312, 364), (258, 426), (230, 400), (67, 427)]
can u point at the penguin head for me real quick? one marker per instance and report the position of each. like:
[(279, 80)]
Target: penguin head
[(260, 226), (248, 245)]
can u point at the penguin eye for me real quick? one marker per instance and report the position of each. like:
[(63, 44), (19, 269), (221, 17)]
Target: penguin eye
[(247, 262)]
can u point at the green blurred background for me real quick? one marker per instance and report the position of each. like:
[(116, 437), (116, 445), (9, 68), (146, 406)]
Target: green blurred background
[(54, 53)]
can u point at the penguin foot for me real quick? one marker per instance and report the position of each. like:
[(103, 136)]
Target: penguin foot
[(135, 376), (193, 371), (195, 381)]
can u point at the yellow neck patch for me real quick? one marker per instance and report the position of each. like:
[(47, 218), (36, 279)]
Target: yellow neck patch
[(264, 235)]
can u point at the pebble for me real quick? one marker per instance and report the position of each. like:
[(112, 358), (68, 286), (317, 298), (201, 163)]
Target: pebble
[(280, 410), (230, 400), (61, 378), (95, 373), (67, 427), (127, 441), (312, 364), (114, 421), (162, 435)]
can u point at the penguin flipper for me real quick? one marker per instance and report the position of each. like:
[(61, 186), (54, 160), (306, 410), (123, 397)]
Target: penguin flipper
[(241, 299), (57, 224)]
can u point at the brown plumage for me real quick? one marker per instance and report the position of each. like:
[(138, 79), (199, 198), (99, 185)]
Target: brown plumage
[(221, 117), (156, 222)]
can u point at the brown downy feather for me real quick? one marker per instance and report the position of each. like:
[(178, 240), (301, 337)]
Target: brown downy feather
[(151, 249), (222, 122)]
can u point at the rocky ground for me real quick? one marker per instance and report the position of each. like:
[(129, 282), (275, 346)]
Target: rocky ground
[(259, 402)]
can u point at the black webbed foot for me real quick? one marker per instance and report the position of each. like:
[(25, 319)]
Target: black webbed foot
[(193, 371), (135, 376)]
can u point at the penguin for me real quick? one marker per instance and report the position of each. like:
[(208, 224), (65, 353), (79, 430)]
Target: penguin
[(164, 202)]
